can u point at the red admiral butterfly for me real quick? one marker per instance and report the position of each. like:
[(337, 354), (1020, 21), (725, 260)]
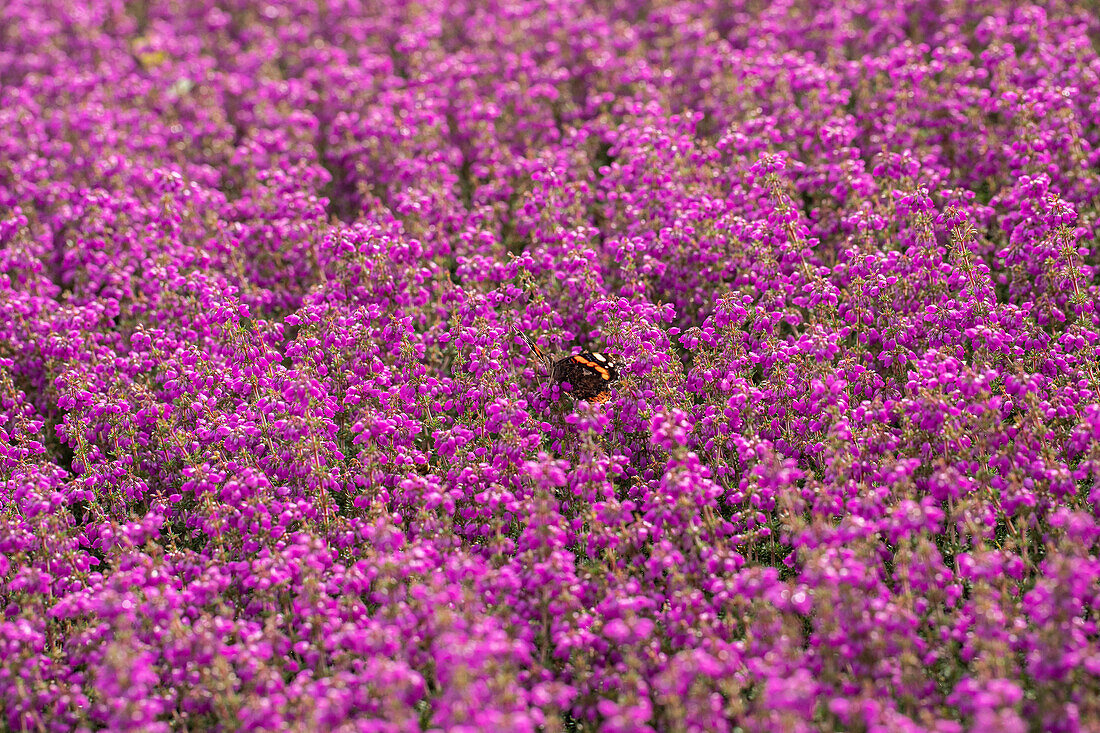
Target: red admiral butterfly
[(589, 373)]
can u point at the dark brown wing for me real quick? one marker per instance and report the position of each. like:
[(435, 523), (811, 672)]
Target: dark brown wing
[(537, 352)]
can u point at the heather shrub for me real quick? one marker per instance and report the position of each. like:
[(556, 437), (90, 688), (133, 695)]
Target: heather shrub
[(277, 451)]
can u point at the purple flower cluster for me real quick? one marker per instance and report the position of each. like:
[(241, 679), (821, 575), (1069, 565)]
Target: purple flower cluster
[(274, 453)]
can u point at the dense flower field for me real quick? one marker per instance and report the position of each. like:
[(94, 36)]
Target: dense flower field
[(276, 455)]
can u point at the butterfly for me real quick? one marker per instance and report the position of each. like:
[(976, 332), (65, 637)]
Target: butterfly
[(589, 373)]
